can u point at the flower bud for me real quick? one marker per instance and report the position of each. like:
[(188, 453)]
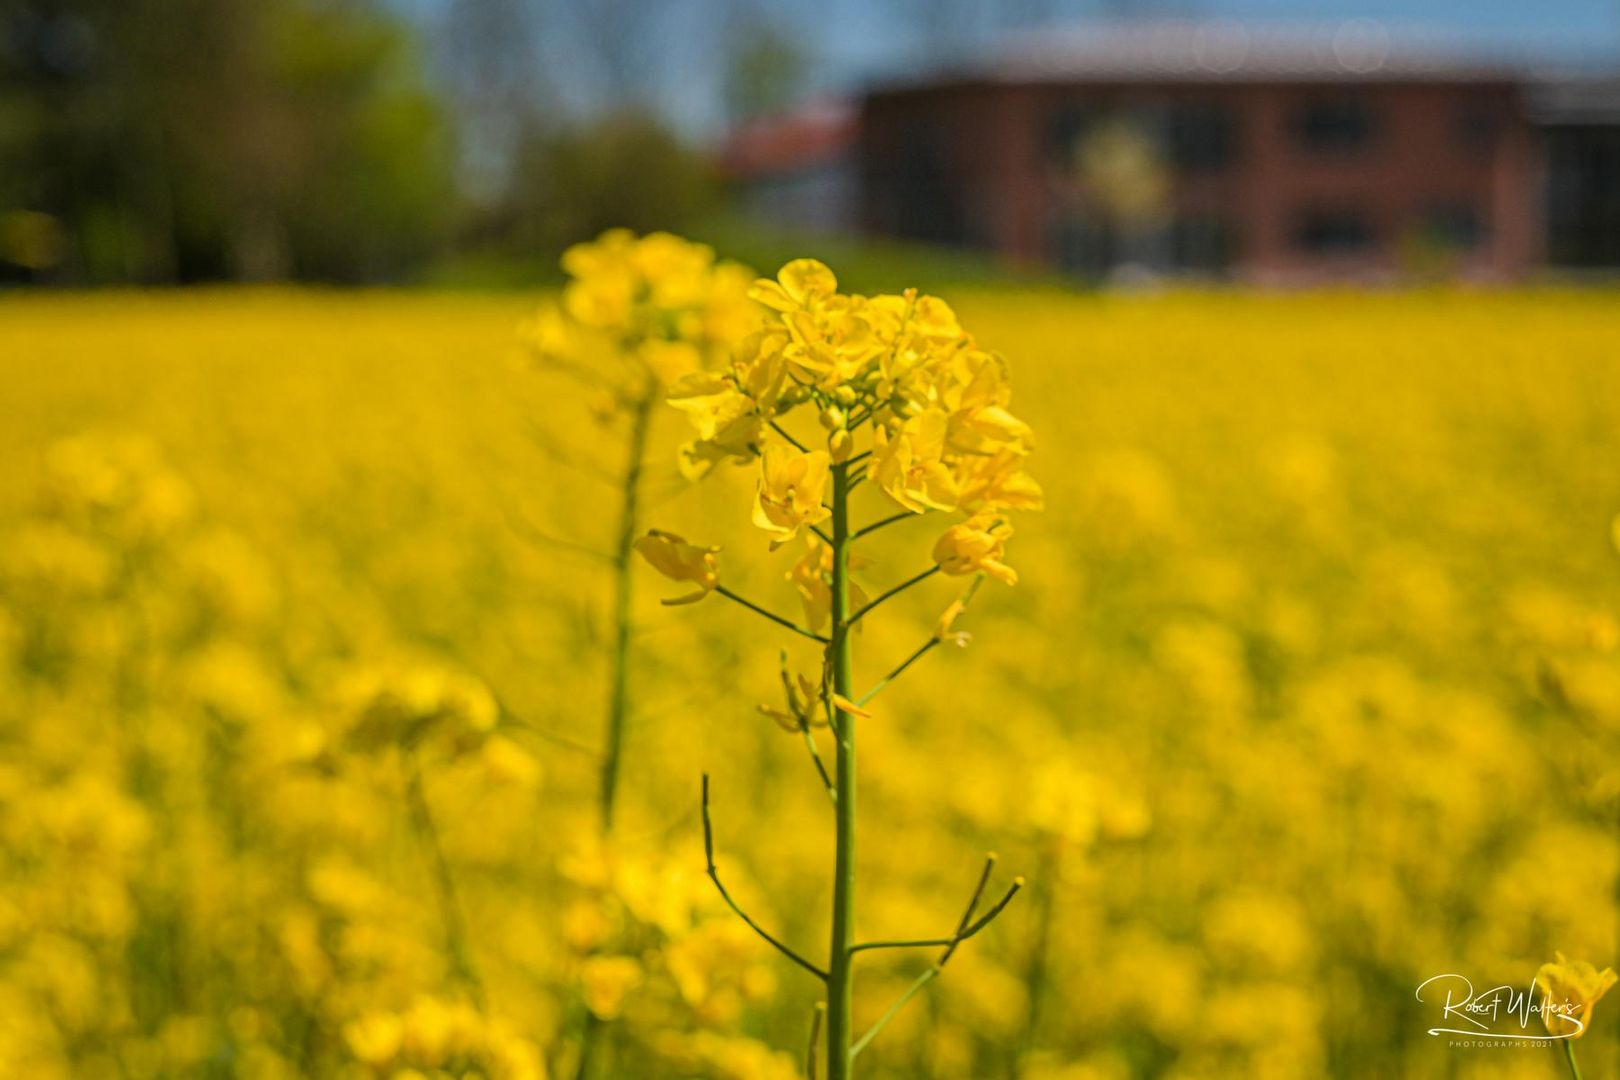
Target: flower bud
[(841, 446), (832, 418), (844, 395)]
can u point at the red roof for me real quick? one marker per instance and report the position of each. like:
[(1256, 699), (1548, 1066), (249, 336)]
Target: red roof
[(813, 136)]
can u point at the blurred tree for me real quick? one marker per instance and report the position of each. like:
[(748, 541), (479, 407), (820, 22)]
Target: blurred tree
[(627, 42), (767, 69), (626, 170), (187, 139), (491, 60)]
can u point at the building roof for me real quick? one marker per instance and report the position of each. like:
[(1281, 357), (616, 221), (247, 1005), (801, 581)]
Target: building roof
[(1223, 50), (809, 137), (1576, 100)]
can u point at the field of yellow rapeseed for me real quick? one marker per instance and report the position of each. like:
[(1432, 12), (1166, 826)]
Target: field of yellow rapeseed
[(1308, 691)]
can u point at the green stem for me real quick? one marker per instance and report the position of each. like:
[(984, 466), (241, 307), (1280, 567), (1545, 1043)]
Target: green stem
[(427, 834), (898, 671), (821, 766), (911, 991), (883, 523), (896, 591), (714, 876), (812, 1053), (840, 963), (619, 695), (1569, 1056), (771, 615), (619, 698)]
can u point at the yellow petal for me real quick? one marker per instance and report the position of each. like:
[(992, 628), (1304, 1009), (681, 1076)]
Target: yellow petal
[(843, 704), (807, 279)]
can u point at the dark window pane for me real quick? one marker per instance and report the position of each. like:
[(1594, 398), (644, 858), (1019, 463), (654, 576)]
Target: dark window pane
[(1333, 231), (1201, 137), (1203, 243), (1065, 128), (1478, 128), (1335, 126), (1453, 225)]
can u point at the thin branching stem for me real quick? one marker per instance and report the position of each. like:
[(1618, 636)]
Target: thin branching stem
[(899, 670), (911, 991), (966, 927), (531, 533), (990, 916), (822, 533), (876, 525), (782, 431), (972, 907), (555, 738), (816, 1017), (912, 943), (542, 441), (821, 766), (444, 882), (714, 876), (775, 618), (896, 591)]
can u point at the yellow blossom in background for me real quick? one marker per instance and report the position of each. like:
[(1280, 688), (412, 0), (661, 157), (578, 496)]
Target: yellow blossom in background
[(639, 313), (977, 545), (678, 560), (1569, 993), (1323, 587), (607, 980)]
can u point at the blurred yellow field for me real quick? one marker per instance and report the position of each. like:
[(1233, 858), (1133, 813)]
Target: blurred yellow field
[(1309, 690)]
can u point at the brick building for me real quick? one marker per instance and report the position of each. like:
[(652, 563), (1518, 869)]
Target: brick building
[(1269, 155), (1292, 155)]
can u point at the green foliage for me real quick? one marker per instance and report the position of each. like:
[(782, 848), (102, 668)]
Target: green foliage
[(190, 139), (625, 171)]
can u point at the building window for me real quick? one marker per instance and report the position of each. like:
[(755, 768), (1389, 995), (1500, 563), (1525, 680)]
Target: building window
[(1343, 125), (1478, 128), (1456, 226), (1201, 137), (1202, 243), (1065, 128), (1333, 231)]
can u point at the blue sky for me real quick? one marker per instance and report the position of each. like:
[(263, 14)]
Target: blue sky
[(851, 42)]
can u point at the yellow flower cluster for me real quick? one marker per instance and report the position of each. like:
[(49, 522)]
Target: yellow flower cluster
[(1569, 992), (942, 437), (641, 311), (435, 1039)]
